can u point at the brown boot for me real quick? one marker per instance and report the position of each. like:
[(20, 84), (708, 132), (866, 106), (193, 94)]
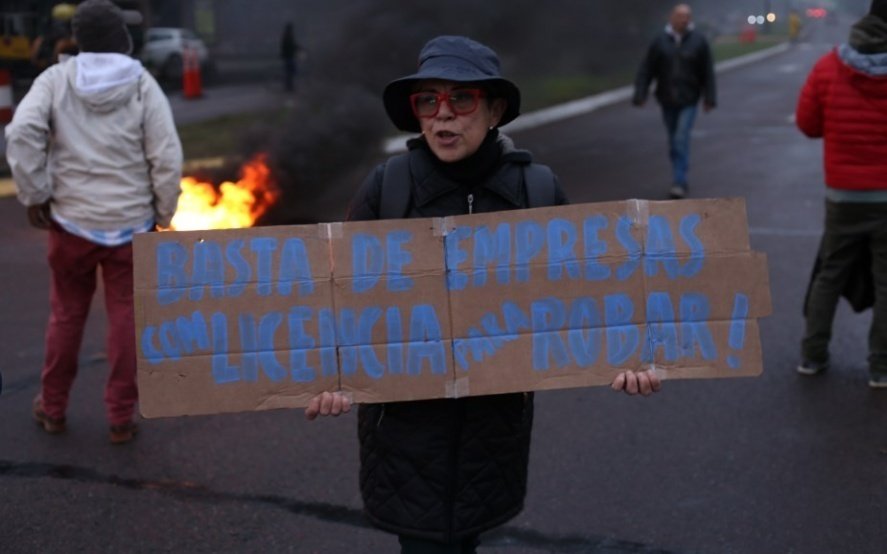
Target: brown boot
[(123, 433), (52, 425)]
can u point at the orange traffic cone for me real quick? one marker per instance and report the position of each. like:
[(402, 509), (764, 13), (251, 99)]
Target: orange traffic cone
[(191, 85), (5, 96)]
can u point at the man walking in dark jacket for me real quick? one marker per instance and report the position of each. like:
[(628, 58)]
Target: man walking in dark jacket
[(679, 60)]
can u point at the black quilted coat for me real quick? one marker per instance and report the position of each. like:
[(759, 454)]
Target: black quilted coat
[(446, 469)]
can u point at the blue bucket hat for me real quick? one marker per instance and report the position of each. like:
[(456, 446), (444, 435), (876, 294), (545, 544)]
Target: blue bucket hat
[(450, 58)]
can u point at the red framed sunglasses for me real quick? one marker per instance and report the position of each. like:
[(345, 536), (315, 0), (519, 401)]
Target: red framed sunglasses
[(461, 101)]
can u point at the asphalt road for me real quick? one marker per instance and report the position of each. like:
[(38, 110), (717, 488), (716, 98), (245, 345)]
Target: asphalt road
[(773, 464)]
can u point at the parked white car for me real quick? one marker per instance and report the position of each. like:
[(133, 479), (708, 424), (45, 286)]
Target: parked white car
[(164, 49)]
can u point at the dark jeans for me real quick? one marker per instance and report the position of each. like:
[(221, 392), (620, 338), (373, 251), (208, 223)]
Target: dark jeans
[(409, 545), (679, 124), (847, 226)]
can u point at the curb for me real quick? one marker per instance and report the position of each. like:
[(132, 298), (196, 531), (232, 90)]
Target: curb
[(7, 185), (589, 104), (192, 166), (527, 121)]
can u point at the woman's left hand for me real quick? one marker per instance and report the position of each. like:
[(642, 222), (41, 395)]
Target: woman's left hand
[(644, 383)]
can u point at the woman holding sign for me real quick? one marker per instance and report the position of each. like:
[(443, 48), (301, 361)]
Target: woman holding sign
[(440, 472)]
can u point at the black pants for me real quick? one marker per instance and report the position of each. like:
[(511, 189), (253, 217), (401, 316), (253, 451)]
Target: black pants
[(847, 226), (409, 545)]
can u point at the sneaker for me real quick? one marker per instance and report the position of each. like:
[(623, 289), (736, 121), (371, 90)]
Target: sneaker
[(812, 368), (677, 192), (52, 425), (878, 380), (123, 433)]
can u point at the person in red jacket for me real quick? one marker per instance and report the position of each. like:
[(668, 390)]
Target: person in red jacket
[(844, 102)]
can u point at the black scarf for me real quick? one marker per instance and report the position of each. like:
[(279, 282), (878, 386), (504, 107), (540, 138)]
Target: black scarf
[(869, 35), (476, 168)]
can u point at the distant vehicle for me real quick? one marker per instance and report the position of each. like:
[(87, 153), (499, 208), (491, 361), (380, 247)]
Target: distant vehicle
[(164, 50)]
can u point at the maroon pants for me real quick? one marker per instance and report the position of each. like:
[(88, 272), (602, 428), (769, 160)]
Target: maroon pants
[(74, 263)]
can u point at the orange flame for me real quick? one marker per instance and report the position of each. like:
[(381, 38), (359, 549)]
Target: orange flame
[(231, 205)]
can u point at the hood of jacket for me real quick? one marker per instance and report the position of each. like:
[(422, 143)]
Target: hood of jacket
[(104, 81), (872, 65)]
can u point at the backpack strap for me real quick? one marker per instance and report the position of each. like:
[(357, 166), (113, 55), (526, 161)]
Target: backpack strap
[(539, 182), (394, 201)]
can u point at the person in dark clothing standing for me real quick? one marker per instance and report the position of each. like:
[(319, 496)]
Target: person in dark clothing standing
[(289, 49), (844, 102), (440, 472), (680, 62)]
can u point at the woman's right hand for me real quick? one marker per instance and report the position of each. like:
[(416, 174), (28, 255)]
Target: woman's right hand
[(328, 404)]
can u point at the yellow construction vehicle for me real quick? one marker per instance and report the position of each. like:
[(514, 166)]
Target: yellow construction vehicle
[(17, 33)]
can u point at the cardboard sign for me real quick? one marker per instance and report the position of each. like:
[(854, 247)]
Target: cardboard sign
[(550, 298)]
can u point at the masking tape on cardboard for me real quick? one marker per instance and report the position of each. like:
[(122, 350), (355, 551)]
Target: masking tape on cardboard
[(442, 226), (458, 388), (329, 231), (639, 212)]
